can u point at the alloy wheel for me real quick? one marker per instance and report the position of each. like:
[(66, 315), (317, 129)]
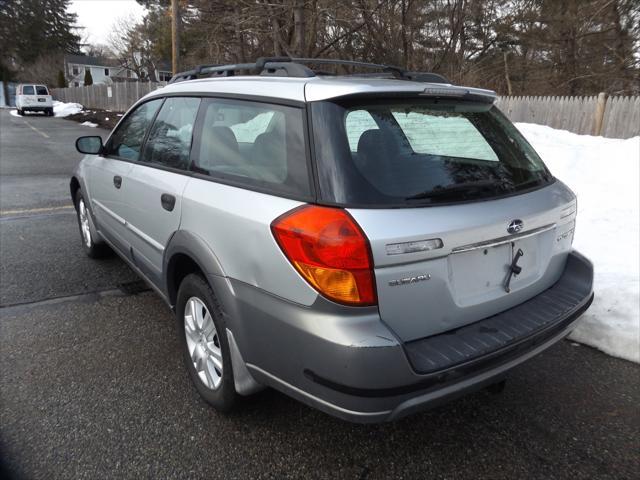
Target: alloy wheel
[(203, 343), (84, 223)]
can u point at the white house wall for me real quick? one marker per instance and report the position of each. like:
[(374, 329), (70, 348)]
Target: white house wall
[(97, 73)]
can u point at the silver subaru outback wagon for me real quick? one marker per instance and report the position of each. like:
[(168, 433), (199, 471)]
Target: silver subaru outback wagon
[(370, 244)]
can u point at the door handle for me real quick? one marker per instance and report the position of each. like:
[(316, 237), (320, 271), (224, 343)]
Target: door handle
[(117, 181), (168, 201)]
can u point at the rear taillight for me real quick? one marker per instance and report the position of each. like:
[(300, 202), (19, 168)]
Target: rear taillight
[(330, 251)]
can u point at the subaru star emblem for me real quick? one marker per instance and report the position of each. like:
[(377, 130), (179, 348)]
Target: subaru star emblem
[(515, 226)]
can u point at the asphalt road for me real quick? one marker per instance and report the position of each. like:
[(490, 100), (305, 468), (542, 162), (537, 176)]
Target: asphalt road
[(92, 384)]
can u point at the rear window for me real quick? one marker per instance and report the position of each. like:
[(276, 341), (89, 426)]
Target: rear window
[(42, 90), (420, 152), (257, 145), (27, 90)]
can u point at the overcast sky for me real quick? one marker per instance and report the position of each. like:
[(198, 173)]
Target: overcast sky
[(97, 16)]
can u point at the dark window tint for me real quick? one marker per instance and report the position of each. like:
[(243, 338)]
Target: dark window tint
[(74, 70), (28, 90), (254, 144), (106, 72), (127, 140), (42, 90), (414, 152), (169, 141)]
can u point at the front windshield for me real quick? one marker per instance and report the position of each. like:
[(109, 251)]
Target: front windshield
[(419, 152)]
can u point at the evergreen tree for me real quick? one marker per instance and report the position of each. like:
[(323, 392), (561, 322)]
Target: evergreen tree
[(32, 28), (88, 79), (62, 82)]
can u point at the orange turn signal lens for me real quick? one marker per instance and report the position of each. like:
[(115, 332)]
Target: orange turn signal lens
[(330, 251)]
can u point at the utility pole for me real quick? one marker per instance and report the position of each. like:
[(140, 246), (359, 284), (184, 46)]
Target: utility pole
[(175, 36)]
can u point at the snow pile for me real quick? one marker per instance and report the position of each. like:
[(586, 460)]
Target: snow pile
[(14, 112), (605, 175), (89, 124), (61, 109)]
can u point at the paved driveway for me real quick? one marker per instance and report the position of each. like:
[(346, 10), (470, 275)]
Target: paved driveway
[(92, 384)]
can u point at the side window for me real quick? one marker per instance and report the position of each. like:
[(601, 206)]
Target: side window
[(127, 140), (356, 123), (169, 141), (254, 144), (27, 90)]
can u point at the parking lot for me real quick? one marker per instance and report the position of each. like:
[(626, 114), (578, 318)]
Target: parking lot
[(93, 386)]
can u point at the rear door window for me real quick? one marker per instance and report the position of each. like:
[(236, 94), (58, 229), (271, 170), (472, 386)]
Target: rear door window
[(169, 141), (127, 140), (253, 144), (41, 90), (27, 90)]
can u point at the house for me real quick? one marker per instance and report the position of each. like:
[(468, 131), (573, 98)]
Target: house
[(105, 70), (163, 71)]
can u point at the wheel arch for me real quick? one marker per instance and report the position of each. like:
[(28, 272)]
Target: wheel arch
[(187, 253)]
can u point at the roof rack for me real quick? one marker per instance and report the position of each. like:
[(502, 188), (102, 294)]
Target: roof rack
[(294, 67)]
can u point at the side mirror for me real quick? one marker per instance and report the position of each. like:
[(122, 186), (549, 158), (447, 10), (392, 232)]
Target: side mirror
[(91, 145)]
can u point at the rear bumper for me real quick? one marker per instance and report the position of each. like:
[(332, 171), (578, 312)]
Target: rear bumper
[(346, 363), (37, 108)]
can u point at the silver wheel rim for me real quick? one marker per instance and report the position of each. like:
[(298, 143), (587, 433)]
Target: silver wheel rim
[(84, 223), (203, 343)]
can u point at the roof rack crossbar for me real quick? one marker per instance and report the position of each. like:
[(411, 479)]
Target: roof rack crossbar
[(261, 65), (395, 71), (294, 67)]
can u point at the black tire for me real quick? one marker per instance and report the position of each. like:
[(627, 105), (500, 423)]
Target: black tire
[(92, 248), (50, 112), (20, 112), (224, 397)]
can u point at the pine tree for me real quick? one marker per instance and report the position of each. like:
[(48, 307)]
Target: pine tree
[(88, 79), (35, 28), (62, 82)]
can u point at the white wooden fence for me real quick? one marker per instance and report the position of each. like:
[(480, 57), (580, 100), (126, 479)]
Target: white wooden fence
[(117, 97), (613, 117)]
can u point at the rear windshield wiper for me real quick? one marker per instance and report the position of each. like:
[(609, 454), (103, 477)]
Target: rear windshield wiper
[(439, 190)]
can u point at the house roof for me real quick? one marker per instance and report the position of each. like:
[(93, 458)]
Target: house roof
[(93, 61)]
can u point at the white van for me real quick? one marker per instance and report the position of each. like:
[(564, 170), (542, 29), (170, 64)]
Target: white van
[(34, 98)]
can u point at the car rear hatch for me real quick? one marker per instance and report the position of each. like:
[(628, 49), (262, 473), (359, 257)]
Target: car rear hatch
[(463, 218), (440, 268)]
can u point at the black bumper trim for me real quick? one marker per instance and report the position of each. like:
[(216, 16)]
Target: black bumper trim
[(484, 362)]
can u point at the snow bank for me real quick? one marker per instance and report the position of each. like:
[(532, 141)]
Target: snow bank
[(605, 175), (61, 109), (89, 124)]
